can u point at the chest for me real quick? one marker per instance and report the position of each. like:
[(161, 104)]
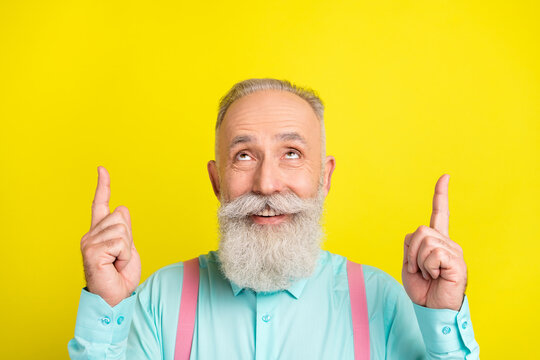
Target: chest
[(277, 326)]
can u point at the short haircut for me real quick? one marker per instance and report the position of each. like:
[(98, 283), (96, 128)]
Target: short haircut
[(251, 86)]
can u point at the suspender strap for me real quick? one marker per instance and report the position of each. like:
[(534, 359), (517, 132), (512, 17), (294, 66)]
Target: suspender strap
[(359, 310), (188, 310)]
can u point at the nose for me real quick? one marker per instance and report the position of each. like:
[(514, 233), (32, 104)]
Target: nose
[(267, 179)]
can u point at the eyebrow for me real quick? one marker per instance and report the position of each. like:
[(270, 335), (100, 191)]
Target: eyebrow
[(291, 136), (240, 139)]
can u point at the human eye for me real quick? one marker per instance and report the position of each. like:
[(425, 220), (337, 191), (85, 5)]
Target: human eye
[(242, 156), (292, 155)]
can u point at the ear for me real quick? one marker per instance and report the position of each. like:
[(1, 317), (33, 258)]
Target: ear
[(214, 178), (329, 166)]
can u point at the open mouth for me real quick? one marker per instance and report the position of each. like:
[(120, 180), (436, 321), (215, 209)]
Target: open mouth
[(268, 212), (268, 216)]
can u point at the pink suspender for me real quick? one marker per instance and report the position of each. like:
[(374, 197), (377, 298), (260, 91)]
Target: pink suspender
[(188, 310), (359, 310)]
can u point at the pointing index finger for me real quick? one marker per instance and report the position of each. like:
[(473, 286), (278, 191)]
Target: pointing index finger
[(100, 205), (440, 213)]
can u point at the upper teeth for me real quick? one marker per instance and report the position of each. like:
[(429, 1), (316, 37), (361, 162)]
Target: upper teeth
[(267, 212)]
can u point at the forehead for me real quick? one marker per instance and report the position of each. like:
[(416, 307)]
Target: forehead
[(270, 112)]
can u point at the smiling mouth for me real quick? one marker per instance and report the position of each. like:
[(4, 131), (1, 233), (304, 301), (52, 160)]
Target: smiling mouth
[(268, 216), (268, 212)]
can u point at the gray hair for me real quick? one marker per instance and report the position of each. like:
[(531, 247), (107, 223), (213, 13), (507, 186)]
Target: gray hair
[(250, 86)]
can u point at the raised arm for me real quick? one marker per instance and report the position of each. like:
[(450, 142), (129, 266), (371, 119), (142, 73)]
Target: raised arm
[(434, 276), (112, 269), (112, 266)]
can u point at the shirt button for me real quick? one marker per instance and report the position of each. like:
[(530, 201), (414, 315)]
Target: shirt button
[(106, 320), (446, 330), (266, 318), (120, 320), (464, 325)]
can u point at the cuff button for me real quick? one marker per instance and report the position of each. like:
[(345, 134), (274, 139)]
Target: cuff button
[(465, 325)]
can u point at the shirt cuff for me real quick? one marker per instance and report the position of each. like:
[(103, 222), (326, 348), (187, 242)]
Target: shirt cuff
[(445, 330), (98, 322)]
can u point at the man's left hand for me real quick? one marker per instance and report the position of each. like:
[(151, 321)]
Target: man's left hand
[(434, 272)]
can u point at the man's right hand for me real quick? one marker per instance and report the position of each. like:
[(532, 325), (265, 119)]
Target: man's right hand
[(112, 266)]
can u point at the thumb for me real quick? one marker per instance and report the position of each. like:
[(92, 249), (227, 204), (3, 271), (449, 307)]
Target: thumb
[(124, 211)]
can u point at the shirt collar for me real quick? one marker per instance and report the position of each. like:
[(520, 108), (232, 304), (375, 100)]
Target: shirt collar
[(295, 289)]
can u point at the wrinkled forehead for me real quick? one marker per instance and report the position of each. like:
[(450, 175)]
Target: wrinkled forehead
[(269, 112)]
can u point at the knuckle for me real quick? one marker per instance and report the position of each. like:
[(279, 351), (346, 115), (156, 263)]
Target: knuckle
[(407, 238), (422, 229), (415, 242), (90, 251), (431, 241), (439, 252), (120, 208), (436, 211), (110, 243), (121, 228), (121, 216), (86, 244)]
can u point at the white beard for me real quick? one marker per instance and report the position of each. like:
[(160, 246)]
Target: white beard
[(270, 257)]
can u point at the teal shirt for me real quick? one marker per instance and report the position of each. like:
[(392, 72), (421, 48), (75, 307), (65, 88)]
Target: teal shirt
[(310, 320)]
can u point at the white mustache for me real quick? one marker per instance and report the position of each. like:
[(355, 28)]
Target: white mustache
[(250, 203)]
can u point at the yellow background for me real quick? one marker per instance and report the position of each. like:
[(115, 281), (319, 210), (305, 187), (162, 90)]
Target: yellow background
[(413, 89)]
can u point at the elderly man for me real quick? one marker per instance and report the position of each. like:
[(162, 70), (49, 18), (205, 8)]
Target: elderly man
[(270, 291)]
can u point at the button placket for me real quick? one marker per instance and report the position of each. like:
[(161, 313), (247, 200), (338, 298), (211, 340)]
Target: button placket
[(265, 332)]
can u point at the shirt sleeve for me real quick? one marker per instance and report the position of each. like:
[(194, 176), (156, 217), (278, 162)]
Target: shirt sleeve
[(101, 331), (416, 332), (125, 331), (447, 334)]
